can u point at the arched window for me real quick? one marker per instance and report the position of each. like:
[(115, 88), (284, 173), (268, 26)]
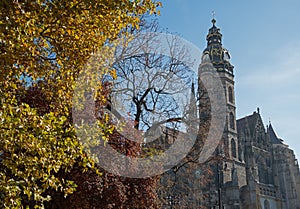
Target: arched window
[(266, 204), (226, 145), (233, 148), (230, 94), (231, 120), (240, 152)]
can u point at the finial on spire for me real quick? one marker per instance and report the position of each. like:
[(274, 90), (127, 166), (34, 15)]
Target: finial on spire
[(213, 15)]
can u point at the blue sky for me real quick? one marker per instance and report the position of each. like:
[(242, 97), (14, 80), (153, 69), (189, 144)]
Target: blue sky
[(263, 37)]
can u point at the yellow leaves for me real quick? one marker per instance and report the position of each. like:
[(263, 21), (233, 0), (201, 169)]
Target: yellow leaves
[(30, 31), (113, 74), (27, 14), (40, 145)]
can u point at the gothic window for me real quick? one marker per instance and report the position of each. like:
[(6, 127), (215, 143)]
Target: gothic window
[(230, 94), (233, 148), (263, 173), (231, 120), (266, 204), (240, 152), (226, 145)]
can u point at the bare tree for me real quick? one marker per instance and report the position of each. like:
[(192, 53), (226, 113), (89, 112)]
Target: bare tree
[(151, 86)]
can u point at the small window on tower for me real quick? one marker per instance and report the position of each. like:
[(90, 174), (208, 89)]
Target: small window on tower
[(230, 94), (231, 121), (233, 148)]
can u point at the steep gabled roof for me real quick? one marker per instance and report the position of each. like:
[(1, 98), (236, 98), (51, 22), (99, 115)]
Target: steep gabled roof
[(273, 137)]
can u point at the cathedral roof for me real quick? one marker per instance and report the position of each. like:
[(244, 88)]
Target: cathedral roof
[(273, 137), (249, 123)]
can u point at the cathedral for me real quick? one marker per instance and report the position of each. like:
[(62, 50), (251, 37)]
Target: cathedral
[(253, 168)]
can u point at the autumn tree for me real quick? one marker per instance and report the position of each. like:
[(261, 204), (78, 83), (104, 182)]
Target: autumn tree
[(44, 45)]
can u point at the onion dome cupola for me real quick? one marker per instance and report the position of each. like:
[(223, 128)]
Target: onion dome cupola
[(219, 56)]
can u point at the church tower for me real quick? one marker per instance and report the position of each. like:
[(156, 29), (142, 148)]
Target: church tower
[(229, 150)]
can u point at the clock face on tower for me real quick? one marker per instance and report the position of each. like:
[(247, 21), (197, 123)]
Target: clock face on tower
[(216, 51)]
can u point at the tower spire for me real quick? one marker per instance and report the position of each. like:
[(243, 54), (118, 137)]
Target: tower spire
[(219, 56), (192, 105), (193, 88), (192, 120)]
